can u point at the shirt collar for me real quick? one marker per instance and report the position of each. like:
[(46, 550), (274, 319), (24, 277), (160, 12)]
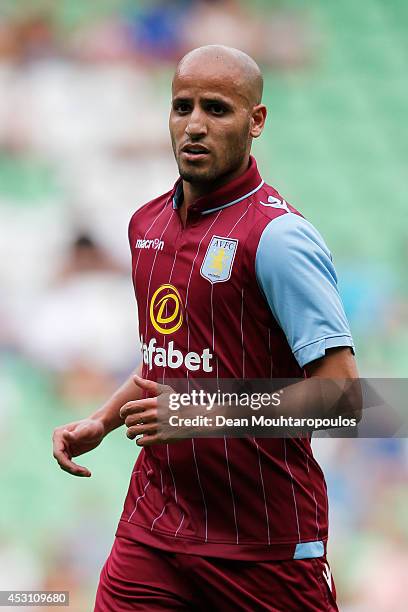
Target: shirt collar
[(235, 191)]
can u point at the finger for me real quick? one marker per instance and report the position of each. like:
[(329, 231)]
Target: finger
[(62, 454), (74, 469), (149, 440), (148, 416), (152, 388), (69, 466), (137, 406), (138, 430)]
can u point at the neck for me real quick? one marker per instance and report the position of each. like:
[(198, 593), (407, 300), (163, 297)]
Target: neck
[(193, 191)]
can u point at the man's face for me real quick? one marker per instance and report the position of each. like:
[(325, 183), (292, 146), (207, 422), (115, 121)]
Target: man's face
[(209, 124)]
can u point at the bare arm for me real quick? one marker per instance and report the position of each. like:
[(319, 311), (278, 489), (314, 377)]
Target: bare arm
[(339, 394), (108, 414), (337, 363), (81, 436)]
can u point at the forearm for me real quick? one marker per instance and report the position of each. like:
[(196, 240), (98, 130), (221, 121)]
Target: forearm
[(332, 389), (108, 414), (322, 398), (313, 398)]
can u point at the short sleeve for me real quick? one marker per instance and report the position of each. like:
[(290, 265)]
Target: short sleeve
[(296, 274)]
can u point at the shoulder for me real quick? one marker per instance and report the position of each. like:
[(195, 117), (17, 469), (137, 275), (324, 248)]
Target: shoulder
[(148, 212), (272, 215), (290, 247), (279, 228), (291, 233), (269, 204), (292, 258)]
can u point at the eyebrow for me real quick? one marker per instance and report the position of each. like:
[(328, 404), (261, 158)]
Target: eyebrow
[(207, 100)]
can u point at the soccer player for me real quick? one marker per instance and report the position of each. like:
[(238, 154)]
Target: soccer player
[(231, 282)]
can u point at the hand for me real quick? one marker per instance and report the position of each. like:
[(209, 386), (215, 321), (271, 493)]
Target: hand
[(143, 417), (75, 439)]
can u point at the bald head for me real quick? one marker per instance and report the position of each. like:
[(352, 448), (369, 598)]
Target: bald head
[(229, 64)]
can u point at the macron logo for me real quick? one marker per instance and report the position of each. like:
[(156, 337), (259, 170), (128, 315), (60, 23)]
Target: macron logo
[(156, 244)]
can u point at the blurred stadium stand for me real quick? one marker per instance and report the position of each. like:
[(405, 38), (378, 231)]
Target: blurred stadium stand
[(83, 142)]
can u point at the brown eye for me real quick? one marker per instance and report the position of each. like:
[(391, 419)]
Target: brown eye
[(182, 107), (216, 109)]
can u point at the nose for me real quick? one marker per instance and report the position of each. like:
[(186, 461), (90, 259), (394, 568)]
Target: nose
[(196, 126)]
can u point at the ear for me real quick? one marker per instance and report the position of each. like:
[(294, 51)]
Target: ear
[(258, 118)]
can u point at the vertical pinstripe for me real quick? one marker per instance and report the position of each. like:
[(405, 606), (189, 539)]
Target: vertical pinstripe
[(145, 234), (165, 337), (263, 491), (171, 472), (241, 217), (201, 489), (165, 504), (161, 481), (157, 517), (179, 527), (232, 492), (293, 489), (175, 488), (314, 496), (212, 317), (242, 333), (152, 268), (174, 485), (139, 498)]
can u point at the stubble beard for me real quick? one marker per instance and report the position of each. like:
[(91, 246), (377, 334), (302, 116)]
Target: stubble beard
[(207, 177), (197, 176), (212, 175)]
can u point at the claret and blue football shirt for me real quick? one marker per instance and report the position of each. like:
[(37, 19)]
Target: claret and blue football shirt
[(247, 289)]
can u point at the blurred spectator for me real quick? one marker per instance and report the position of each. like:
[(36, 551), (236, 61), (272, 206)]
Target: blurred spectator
[(86, 257), (104, 41), (30, 36), (278, 38), (84, 322), (156, 30)]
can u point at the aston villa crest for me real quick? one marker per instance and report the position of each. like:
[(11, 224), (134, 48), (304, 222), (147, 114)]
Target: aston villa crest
[(219, 258)]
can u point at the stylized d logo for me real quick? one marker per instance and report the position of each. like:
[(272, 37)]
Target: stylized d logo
[(166, 309)]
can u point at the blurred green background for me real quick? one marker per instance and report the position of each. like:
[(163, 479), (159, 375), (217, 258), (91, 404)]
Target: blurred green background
[(84, 100)]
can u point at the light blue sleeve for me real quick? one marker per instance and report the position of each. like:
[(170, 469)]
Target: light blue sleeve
[(295, 271)]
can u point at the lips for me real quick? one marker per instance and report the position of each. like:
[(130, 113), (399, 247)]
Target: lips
[(194, 153), (195, 149)]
